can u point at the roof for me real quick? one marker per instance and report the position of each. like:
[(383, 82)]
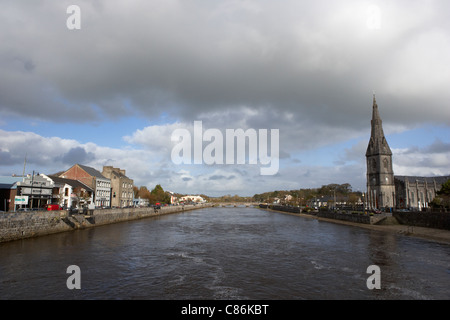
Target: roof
[(71, 182), (9, 182), (93, 172), (413, 179)]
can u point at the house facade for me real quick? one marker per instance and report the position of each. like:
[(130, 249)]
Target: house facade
[(94, 180), (70, 193), (37, 189), (121, 187)]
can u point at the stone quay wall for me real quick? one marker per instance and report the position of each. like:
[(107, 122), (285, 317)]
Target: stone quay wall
[(358, 218), (437, 220), (22, 225)]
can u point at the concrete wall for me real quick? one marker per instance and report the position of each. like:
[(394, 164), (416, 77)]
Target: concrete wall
[(21, 225)]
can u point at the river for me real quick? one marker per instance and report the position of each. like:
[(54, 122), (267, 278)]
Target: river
[(225, 253)]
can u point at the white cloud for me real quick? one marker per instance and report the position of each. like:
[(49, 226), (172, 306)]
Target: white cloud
[(426, 161)]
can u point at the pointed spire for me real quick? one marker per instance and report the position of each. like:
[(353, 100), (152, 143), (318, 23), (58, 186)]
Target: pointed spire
[(375, 113), (377, 144)]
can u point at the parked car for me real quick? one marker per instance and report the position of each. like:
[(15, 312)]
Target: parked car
[(52, 207)]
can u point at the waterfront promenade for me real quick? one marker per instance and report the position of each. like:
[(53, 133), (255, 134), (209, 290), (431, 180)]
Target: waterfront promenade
[(22, 225), (392, 226)]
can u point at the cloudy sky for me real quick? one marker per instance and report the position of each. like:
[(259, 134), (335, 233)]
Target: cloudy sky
[(114, 91)]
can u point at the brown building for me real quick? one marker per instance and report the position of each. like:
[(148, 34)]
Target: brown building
[(121, 187), (93, 179)]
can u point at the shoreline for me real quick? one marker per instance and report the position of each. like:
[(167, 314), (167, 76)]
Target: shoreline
[(431, 234), (23, 225)]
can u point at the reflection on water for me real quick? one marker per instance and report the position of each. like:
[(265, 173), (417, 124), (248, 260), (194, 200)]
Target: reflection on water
[(225, 253)]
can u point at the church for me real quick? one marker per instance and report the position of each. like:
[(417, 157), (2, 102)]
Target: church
[(384, 189)]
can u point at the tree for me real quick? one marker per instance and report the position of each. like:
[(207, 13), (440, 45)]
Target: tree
[(445, 189), (136, 191), (442, 199), (159, 195)]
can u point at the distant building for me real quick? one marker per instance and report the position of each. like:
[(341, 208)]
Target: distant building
[(384, 190), (196, 199), (141, 202), (8, 191), (93, 179), (173, 198), (337, 202), (121, 187)]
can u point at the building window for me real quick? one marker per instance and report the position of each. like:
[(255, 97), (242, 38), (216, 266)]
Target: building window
[(374, 164)]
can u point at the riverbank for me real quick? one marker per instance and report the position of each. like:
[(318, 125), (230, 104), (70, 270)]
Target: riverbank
[(438, 235), (22, 225)]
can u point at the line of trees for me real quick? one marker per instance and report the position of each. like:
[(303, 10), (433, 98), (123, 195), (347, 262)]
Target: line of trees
[(156, 195), (302, 196)]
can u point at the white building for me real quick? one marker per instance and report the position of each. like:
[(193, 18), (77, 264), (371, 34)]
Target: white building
[(93, 179), (37, 189), (196, 199), (70, 193)]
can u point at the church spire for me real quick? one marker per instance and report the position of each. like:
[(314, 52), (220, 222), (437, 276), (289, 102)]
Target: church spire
[(380, 175), (377, 143)]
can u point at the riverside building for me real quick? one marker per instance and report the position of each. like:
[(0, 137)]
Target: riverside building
[(93, 179)]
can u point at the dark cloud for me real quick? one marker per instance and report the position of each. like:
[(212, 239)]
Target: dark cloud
[(316, 62), (77, 155), (438, 146), (6, 159)]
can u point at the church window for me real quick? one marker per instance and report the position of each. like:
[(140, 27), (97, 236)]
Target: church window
[(385, 163)]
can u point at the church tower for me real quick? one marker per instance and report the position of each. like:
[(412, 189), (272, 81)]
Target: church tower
[(380, 175)]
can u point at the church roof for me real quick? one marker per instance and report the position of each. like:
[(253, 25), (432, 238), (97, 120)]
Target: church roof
[(428, 180)]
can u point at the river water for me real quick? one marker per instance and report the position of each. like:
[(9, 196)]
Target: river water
[(225, 253)]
